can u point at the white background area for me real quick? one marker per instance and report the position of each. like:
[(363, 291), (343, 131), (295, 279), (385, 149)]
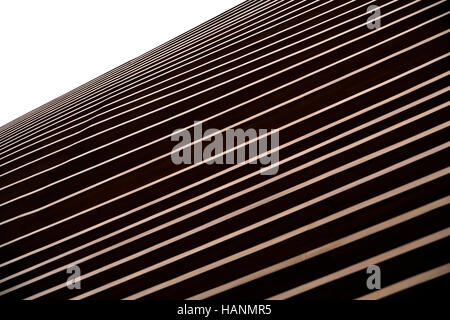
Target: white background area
[(49, 47)]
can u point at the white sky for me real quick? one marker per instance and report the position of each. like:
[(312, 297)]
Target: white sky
[(49, 47)]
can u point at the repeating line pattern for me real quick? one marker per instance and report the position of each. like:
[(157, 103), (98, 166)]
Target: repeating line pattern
[(357, 94)]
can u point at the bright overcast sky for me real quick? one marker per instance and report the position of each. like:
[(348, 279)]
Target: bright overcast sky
[(49, 47)]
